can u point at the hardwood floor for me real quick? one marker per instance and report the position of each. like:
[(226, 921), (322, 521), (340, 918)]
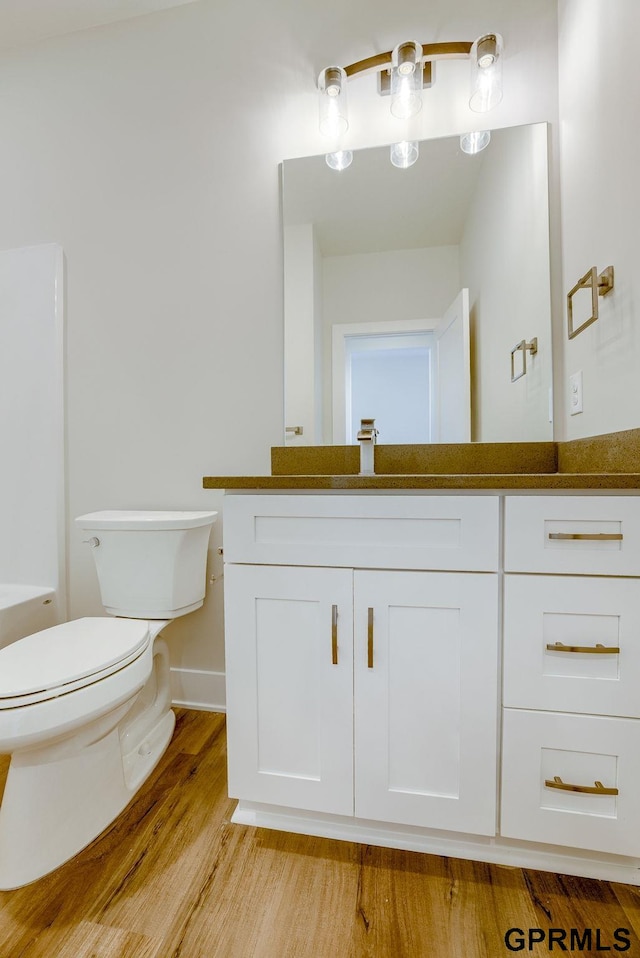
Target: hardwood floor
[(172, 878)]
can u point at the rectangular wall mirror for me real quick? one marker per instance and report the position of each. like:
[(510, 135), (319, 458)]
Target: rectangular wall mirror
[(419, 297)]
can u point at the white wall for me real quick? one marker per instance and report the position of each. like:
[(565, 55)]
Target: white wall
[(599, 87), (301, 321), (134, 147), (509, 287)]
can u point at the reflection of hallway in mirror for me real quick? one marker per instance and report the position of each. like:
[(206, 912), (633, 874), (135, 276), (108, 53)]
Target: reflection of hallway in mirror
[(412, 376), (389, 380)]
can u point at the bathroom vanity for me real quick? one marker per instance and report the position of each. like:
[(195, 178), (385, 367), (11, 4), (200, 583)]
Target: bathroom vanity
[(453, 671)]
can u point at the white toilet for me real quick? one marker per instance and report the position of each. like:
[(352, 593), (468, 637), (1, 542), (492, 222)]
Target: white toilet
[(85, 706)]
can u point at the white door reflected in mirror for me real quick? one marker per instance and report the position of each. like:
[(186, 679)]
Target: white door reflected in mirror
[(452, 410)]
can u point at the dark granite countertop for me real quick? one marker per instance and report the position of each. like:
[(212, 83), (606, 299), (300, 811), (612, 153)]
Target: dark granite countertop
[(565, 480), (611, 461)]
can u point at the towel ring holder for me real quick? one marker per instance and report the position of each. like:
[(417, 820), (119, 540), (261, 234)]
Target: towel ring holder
[(599, 285), (522, 347)]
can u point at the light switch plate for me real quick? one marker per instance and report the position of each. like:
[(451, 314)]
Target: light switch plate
[(575, 393)]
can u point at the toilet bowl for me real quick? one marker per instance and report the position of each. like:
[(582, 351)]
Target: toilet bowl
[(85, 707)]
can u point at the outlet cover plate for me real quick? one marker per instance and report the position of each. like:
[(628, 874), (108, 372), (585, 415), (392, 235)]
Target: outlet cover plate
[(575, 393)]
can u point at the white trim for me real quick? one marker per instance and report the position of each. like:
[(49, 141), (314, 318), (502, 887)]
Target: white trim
[(456, 318), (61, 429), (339, 333), (198, 689), (497, 851)]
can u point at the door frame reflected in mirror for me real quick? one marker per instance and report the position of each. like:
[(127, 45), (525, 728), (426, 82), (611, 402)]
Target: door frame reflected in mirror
[(391, 337)]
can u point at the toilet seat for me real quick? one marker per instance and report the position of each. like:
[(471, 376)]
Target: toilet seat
[(59, 660)]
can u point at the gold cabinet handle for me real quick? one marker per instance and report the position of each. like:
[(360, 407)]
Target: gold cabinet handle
[(369, 638), (589, 536), (334, 634), (597, 649), (597, 789)]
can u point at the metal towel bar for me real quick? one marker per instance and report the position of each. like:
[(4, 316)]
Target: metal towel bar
[(523, 346), (599, 285)]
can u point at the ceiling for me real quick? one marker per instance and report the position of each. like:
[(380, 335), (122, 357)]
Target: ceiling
[(372, 206), (27, 21)]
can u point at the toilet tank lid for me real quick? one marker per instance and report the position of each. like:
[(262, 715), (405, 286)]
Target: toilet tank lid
[(136, 519)]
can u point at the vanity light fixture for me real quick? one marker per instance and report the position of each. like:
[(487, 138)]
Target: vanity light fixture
[(406, 80), (403, 73), (475, 142), (404, 154), (333, 102), (486, 73), (339, 160)]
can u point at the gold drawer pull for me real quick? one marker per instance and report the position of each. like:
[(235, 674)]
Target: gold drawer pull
[(597, 649), (597, 789), (369, 638), (590, 536), (334, 634)]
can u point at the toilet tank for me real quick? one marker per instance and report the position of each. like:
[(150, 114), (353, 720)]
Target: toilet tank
[(151, 565)]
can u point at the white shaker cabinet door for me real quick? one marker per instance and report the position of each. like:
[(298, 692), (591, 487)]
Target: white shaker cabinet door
[(426, 666), (289, 673)]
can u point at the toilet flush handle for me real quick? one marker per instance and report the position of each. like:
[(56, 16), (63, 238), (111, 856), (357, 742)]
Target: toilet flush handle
[(94, 542)]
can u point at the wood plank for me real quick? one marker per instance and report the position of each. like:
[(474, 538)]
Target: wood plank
[(568, 901), (423, 904), (173, 877), (272, 894), (173, 840), (629, 898), (89, 940), (4, 769)]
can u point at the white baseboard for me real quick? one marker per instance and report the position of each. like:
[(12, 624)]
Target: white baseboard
[(497, 851), (198, 689)]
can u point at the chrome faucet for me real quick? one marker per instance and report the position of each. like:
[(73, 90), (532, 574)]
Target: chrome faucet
[(367, 439)]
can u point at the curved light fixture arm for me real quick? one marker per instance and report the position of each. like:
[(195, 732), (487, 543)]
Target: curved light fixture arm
[(457, 50)]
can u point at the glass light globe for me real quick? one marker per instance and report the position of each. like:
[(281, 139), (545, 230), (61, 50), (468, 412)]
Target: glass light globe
[(339, 160)]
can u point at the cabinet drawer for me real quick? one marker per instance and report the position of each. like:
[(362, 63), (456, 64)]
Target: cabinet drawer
[(577, 750), (579, 534), (391, 532), (551, 624)]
